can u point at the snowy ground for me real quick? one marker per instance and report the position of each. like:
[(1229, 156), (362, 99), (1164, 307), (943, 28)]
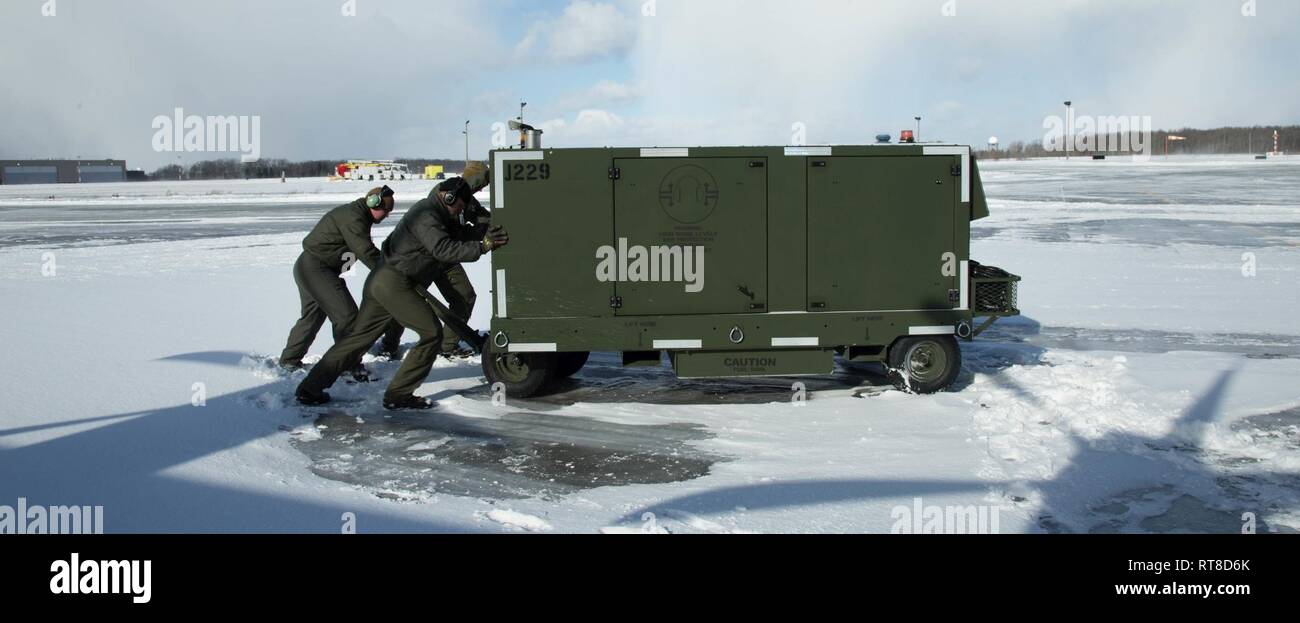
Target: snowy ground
[(1149, 386)]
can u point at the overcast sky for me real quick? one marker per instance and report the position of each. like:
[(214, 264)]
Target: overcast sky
[(400, 77)]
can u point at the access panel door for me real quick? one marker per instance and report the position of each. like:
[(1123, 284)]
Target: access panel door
[(557, 208), (690, 236), (878, 231)]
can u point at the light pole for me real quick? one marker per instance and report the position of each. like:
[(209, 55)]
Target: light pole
[(523, 143), (1069, 140), (466, 133), (918, 129)]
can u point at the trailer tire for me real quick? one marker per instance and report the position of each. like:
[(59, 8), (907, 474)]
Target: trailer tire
[(568, 364), (924, 364), (523, 374)]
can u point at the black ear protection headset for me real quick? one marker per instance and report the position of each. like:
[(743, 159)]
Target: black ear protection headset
[(453, 189), (373, 201)]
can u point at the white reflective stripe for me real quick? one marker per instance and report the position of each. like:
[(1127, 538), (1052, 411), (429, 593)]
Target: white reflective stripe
[(498, 173), (677, 344), (501, 294), (665, 152), (965, 284), (939, 330), (807, 151), (945, 150), (959, 150), (533, 348), (795, 341)]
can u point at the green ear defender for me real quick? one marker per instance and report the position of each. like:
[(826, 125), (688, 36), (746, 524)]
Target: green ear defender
[(374, 201)]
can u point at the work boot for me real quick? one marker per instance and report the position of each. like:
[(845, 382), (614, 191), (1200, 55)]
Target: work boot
[(460, 352), (391, 355), (291, 366), (360, 374), (408, 403), (311, 399)]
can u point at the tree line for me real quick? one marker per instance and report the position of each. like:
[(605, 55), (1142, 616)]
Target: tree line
[(234, 169), (1227, 140)]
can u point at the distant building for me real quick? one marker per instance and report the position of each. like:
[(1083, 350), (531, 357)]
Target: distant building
[(61, 171)]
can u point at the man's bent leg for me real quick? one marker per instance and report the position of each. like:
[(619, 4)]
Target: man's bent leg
[(343, 356), (309, 323), (392, 340), (403, 301), (456, 288)]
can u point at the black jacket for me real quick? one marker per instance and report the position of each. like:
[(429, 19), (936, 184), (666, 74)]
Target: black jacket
[(428, 241)]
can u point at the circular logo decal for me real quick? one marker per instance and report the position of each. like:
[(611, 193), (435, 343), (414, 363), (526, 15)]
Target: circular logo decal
[(688, 194)]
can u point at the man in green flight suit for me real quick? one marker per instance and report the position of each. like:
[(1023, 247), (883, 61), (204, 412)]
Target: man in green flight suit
[(454, 284), (339, 240), (427, 242)]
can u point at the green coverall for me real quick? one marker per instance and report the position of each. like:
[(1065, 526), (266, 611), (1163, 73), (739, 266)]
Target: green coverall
[(321, 291), (426, 245)]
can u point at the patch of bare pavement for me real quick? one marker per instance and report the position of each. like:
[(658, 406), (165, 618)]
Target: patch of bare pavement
[(414, 456)]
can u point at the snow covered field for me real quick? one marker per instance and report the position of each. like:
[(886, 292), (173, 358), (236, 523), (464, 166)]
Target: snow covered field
[(1149, 387)]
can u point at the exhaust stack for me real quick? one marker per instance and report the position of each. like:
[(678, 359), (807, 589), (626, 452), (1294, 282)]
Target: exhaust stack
[(529, 137)]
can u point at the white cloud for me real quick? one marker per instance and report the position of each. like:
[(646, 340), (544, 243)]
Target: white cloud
[(586, 31), (742, 71), (589, 127), (606, 93), (717, 72), (325, 85)]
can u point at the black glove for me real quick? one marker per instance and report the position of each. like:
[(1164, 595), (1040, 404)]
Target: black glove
[(495, 239)]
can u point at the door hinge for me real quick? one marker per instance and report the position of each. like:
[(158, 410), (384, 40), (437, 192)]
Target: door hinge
[(954, 296), (615, 173), (956, 170), (818, 305), (757, 164), (819, 163), (616, 302)]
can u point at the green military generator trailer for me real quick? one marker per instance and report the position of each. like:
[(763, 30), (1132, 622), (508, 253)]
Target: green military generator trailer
[(739, 261)]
